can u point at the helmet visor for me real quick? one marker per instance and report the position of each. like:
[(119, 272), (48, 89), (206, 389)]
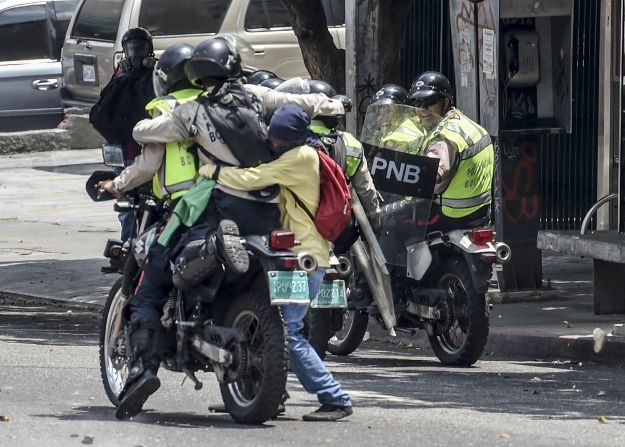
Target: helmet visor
[(136, 50)]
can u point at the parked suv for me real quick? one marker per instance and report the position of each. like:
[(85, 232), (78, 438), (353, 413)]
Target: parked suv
[(93, 43), (31, 36)]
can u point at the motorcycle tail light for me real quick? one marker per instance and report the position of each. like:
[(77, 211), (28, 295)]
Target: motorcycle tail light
[(289, 263), (282, 240), (482, 236)]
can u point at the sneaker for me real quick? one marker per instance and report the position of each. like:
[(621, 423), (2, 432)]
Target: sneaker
[(134, 397), (231, 250), (329, 413)]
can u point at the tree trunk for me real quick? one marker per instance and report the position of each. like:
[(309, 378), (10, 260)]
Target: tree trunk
[(321, 57)]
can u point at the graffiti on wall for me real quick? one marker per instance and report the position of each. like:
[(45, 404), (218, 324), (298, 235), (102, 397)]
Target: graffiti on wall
[(520, 198)]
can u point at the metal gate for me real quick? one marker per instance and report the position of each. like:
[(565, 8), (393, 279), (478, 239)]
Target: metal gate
[(569, 162), (568, 176), (422, 49)]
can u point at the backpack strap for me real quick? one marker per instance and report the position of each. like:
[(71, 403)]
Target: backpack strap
[(299, 203)]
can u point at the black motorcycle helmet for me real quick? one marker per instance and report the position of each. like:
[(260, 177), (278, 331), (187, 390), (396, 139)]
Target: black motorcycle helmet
[(431, 85), (390, 94), (169, 69), (272, 82), (213, 60), (321, 87), (259, 76), (346, 100), (137, 45)]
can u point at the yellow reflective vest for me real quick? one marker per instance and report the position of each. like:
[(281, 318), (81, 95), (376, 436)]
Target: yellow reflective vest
[(354, 151), (179, 168), (470, 188), (408, 137)]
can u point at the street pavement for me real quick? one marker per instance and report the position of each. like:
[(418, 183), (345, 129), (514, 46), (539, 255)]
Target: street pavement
[(51, 395), (52, 237)]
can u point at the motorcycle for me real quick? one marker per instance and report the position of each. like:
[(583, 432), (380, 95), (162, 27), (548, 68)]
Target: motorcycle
[(408, 278), (224, 322)]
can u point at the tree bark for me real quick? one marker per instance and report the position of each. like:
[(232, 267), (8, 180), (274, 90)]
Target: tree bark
[(321, 57)]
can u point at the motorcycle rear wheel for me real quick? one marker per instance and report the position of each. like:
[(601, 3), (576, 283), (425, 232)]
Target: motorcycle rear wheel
[(462, 339), (255, 396), (113, 368)]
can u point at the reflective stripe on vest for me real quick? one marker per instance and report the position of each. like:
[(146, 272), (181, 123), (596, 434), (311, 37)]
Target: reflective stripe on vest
[(178, 168), (408, 137), (470, 188), (354, 154)]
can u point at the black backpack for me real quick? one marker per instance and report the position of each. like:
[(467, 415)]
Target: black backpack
[(122, 105), (240, 123)]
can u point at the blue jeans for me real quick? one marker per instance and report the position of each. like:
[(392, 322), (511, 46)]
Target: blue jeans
[(303, 360)]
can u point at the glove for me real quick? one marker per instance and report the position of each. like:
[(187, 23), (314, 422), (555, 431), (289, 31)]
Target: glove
[(207, 171), (124, 65)]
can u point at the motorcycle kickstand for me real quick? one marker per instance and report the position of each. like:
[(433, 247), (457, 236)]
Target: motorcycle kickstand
[(194, 379)]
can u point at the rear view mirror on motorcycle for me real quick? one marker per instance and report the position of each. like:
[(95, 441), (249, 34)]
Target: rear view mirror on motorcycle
[(113, 155)]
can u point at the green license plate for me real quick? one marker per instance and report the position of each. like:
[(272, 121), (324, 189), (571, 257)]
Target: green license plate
[(288, 287), (331, 295)]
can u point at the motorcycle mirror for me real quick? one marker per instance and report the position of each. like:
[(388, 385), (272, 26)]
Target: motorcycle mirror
[(91, 186), (113, 155)]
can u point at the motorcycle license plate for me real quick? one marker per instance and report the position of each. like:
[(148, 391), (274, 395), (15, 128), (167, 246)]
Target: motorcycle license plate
[(288, 287), (331, 296)]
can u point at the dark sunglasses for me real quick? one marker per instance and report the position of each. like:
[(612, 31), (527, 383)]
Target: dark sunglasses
[(425, 103)]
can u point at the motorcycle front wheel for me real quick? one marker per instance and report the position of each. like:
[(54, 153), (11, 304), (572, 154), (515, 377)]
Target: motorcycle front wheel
[(255, 395), (113, 359), (458, 338), (324, 337), (350, 336)]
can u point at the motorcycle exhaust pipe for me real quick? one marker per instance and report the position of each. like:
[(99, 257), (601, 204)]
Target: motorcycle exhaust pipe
[(503, 252), (307, 262), (344, 268)]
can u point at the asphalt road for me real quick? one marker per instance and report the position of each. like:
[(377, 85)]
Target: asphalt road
[(51, 393)]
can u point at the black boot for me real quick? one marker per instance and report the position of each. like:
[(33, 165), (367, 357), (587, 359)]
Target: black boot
[(145, 347), (229, 247)]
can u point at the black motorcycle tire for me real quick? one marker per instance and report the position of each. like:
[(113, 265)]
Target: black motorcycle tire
[(269, 395), (323, 328), (354, 336), (110, 393), (477, 326), (319, 330)]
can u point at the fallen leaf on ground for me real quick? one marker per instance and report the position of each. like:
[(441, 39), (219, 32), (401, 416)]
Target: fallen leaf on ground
[(503, 436), (602, 419)]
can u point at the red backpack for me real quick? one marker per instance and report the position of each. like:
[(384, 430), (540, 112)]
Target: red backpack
[(335, 200)]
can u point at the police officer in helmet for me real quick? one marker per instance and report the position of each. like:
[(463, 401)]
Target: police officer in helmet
[(208, 120), (167, 165), (466, 157)]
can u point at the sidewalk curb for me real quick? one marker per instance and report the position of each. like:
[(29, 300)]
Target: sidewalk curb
[(502, 343), (524, 296), (30, 299)]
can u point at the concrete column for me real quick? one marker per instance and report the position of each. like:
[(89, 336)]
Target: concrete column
[(604, 144), (361, 45)]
